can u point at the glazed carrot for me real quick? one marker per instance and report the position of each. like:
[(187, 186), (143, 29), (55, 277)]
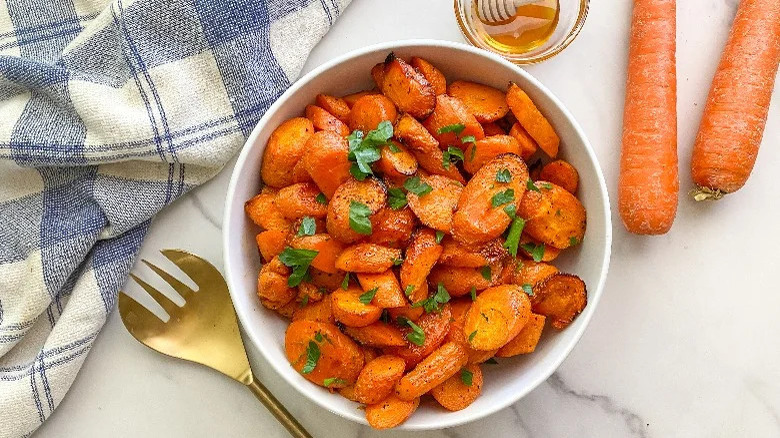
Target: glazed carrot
[(334, 105), (271, 243), (378, 378), (736, 111), (390, 412), (647, 189)]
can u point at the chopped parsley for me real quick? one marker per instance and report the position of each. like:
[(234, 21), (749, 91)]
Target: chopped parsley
[(473, 152), (511, 210), (531, 186), (473, 293), (333, 381), (397, 262), (304, 301), (466, 377), (434, 303), (358, 217), (471, 336), (345, 282), (573, 241), (321, 199), (312, 357), (451, 155), (513, 237), (504, 197), (396, 198), (546, 186), (417, 186), (368, 296), (439, 236), (528, 289), (308, 226), (409, 289), (503, 176), (299, 260), (417, 335), (457, 128), (364, 150), (468, 139), (536, 251), (486, 273)]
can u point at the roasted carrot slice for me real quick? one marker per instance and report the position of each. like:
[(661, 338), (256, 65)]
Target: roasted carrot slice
[(367, 258), (496, 316), (421, 255), (262, 210), (390, 412), (388, 290), (460, 390), (285, 147), (350, 99), (349, 310), (271, 243), (460, 308), (319, 311), (378, 378), (435, 209), (334, 105), (492, 128), (530, 272), (328, 250), (432, 371), (396, 162), (456, 255), (378, 335), (480, 216), (369, 193), (460, 281), (482, 151), (561, 298), (272, 285), (407, 88), (525, 341), (451, 112), (527, 144), (487, 104), (298, 200), (328, 280), (325, 121), (560, 221), (392, 228), (326, 161), (561, 173), (532, 120), (424, 147), (339, 357), (371, 110), (435, 327), (432, 74)]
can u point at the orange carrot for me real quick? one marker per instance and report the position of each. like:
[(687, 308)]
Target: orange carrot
[(736, 112), (648, 185)]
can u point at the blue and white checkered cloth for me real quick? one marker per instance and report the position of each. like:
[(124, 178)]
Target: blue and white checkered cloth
[(109, 111)]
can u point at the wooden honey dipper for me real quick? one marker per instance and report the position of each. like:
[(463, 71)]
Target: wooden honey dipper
[(495, 11)]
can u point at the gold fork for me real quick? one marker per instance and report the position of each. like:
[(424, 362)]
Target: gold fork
[(203, 331)]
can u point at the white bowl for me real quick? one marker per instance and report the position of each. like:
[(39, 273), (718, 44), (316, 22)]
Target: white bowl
[(513, 378)]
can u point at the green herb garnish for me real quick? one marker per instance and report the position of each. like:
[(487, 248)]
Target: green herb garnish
[(528, 289), (396, 198), (304, 301), (364, 150), (486, 273), (409, 289), (546, 186), (466, 377), (457, 128), (536, 251), (308, 226), (503, 176), (312, 357), (471, 336), (333, 381), (451, 155), (502, 198), (573, 241), (511, 210), (439, 236), (531, 186), (417, 335), (368, 296), (397, 262), (321, 199), (345, 282), (468, 139), (299, 260), (473, 293), (513, 237), (358, 217), (417, 186), (434, 303)]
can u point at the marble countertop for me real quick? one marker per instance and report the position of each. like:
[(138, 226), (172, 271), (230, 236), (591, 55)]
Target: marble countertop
[(683, 343)]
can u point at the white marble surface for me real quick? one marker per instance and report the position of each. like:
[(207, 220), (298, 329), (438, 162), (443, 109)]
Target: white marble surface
[(683, 344)]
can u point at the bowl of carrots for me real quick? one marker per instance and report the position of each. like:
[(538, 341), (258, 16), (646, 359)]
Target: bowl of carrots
[(416, 234)]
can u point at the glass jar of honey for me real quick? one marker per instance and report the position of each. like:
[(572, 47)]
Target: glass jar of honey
[(537, 30)]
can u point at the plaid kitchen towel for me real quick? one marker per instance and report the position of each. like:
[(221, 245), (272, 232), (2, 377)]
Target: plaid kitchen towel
[(109, 111)]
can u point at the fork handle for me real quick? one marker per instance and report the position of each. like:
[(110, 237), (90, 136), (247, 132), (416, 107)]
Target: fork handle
[(278, 410)]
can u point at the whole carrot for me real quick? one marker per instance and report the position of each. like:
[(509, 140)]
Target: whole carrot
[(735, 115), (648, 185)]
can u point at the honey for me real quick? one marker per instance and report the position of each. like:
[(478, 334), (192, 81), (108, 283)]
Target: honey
[(530, 28)]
